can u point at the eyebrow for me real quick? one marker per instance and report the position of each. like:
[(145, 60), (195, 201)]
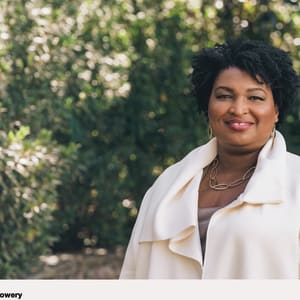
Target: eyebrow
[(232, 90), (224, 88), (256, 89)]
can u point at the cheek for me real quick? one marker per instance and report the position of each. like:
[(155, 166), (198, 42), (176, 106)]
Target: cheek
[(268, 115), (215, 110)]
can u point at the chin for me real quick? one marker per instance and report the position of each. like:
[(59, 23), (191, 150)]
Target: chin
[(238, 139), (240, 143)]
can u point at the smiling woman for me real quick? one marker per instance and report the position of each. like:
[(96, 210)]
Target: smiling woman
[(230, 208)]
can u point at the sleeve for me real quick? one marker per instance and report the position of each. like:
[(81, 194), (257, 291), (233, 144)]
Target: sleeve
[(128, 270), (129, 264)]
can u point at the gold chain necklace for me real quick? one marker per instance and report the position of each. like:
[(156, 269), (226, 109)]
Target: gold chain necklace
[(225, 186)]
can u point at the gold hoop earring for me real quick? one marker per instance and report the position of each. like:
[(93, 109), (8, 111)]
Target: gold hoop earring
[(273, 135), (209, 132)]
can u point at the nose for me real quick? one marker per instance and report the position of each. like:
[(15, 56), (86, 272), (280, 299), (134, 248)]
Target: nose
[(239, 106)]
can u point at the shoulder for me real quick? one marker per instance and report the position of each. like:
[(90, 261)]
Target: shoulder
[(292, 171), (178, 167), (174, 171), (189, 165), (175, 176), (293, 161)]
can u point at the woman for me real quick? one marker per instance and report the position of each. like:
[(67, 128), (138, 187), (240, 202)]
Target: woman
[(230, 208)]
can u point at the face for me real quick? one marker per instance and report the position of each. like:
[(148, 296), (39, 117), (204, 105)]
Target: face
[(242, 112)]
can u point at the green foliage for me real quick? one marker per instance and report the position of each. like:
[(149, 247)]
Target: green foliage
[(107, 83), (29, 177)]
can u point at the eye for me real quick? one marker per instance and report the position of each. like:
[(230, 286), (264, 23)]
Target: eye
[(256, 98), (224, 96)]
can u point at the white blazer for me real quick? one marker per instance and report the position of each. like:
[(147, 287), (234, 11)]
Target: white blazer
[(254, 237)]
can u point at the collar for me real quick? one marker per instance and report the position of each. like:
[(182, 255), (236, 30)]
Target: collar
[(267, 184)]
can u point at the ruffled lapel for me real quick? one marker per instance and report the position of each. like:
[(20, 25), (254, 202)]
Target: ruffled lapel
[(172, 210)]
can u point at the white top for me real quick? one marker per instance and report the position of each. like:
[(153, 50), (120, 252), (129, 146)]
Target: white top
[(256, 236)]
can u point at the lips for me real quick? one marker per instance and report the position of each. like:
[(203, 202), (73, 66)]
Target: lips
[(239, 124)]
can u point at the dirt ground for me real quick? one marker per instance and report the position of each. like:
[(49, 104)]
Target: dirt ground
[(90, 264)]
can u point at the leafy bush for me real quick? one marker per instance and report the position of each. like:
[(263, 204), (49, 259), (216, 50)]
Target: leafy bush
[(30, 171)]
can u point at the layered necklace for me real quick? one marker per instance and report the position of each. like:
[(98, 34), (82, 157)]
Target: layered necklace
[(213, 183)]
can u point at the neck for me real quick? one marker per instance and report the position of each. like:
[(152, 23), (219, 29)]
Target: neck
[(236, 162)]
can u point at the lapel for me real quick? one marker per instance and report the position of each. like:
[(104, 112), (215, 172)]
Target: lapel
[(267, 184), (171, 208), (172, 205)]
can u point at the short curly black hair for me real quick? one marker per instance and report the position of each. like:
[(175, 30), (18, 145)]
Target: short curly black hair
[(258, 59)]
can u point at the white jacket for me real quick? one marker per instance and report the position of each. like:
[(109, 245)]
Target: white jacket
[(254, 237)]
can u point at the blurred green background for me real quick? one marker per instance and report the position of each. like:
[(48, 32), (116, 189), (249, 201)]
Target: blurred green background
[(95, 103)]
